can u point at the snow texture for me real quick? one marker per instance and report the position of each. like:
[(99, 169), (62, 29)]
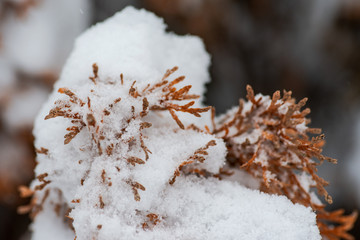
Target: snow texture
[(115, 187)]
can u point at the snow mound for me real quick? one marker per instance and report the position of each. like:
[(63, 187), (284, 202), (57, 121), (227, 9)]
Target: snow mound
[(117, 155)]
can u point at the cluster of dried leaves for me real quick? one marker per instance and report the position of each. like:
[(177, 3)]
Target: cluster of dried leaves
[(266, 137), (281, 153), (151, 221)]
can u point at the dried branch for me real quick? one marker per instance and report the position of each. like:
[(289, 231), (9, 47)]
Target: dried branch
[(171, 94), (135, 186), (42, 151), (194, 158), (135, 160), (41, 178), (95, 72), (152, 220)]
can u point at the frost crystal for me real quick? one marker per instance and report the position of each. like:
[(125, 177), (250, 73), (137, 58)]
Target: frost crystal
[(122, 153)]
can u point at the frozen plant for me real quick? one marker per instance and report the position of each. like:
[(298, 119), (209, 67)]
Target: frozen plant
[(268, 138), (126, 150)]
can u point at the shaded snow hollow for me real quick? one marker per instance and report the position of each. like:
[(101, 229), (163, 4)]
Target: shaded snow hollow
[(103, 174)]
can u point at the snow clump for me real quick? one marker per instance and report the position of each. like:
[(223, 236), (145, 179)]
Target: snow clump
[(123, 154)]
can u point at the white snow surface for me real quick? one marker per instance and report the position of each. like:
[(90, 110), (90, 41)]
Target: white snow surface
[(134, 43), (152, 52)]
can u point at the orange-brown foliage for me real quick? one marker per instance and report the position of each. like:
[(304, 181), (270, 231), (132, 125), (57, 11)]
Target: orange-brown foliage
[(281, 152)]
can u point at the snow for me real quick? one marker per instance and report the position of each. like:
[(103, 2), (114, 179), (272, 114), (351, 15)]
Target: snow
[(243, 178), (49, 225), (211, 209), (106, 176), (153, 52)]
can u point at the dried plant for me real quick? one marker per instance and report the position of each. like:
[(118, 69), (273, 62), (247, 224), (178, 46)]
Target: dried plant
[(130, 159), (153, 219), (169, 95), (197, 157), (269, 138), (72, 107)]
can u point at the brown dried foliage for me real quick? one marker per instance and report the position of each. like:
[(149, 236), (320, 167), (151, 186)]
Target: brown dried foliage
[(344, 224), (286, 146), (42, 151), (95, 72), (101, 202), (281, 151), (197, 157), (41, 178), (25, 191), (36, 204), (63, 109), (152, 220), (104, 179), (135, 187), (171, 94), (135, 160)]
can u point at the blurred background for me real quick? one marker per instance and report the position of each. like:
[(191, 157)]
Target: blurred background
[(311, 47)]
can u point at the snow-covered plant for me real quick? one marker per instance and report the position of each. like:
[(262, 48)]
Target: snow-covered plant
[(126, 150), (268, 137)]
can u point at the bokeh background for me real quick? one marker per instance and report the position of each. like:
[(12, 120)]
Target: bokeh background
[(311, 47)]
